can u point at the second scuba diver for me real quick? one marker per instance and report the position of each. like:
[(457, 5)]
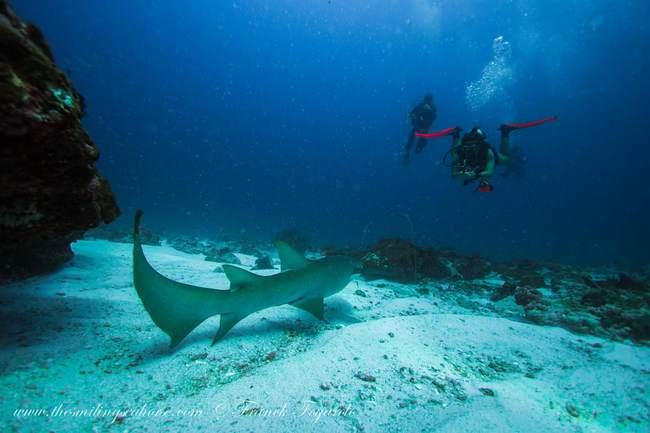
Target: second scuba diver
[(422, 117)]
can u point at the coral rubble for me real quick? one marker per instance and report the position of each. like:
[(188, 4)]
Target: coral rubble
[(601, 302)]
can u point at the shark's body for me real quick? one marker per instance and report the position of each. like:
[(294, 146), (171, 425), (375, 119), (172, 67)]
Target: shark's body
[(178, 308)]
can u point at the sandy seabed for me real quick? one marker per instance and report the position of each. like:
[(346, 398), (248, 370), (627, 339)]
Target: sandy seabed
[(80, 354)]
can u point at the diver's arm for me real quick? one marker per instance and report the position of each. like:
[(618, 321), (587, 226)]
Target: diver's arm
[(489, 166), (504, 147), (455, 174), (455, 137), (415, 113), (455, 143)]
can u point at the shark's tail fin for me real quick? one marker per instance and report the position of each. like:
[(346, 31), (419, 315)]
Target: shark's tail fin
[(176, 308)]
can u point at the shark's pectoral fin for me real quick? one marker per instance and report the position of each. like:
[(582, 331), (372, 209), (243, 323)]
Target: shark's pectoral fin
[(226, 323), (315, 306), (181, 330)]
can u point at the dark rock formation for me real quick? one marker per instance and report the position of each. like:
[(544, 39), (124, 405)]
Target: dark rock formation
[(394, 259), (249, 248), (525, 295), (402, 261), (626, 282), (523, 273), (51, 191), (343, 251), (469, 267), (507, 289), (187, 244), (594, 298), (263, 263), (222, 255)]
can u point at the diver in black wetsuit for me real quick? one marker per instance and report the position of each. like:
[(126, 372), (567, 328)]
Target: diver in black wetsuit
[(422, 117), (474, 159)]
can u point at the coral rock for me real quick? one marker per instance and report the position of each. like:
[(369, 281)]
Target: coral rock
[(263, 263), (403, 261), (51, 191), (507, 289), (525, 295), (222, 255)]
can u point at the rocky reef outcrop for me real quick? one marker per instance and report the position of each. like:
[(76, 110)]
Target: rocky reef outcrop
[(403, 261), (51, 191), (598, 301)]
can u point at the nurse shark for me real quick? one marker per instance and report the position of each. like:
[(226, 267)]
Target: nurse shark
[(177, 308)]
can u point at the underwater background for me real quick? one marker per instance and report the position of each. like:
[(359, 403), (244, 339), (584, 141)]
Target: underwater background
[(243, 118)]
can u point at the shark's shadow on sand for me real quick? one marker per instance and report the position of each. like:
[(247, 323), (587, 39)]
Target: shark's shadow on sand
[(29, 319), (305, 330), (31, 322), (32, 313)]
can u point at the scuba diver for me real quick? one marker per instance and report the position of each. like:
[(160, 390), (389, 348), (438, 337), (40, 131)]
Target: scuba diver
[(422, 117), (473, 158)]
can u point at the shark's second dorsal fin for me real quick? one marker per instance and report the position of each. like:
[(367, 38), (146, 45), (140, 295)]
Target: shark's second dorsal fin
[(239, 278), (289, 257)]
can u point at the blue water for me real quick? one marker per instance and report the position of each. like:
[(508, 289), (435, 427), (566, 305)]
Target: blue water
[(243, 118)]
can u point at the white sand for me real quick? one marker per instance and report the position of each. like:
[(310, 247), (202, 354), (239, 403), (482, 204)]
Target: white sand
[(80, 339)]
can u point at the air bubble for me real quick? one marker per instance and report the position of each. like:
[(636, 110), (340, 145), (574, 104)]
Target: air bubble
[(495, 78)]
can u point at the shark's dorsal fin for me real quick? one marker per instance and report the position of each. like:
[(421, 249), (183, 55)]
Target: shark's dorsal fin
[(289, 257), (239, 278)]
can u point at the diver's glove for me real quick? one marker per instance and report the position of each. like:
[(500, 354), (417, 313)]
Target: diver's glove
[(456, 132), (505, 128), (469, 174)]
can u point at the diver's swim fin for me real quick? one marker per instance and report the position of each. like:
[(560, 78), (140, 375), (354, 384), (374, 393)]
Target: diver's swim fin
[(507, 127), (438, 134), (485, 187)]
